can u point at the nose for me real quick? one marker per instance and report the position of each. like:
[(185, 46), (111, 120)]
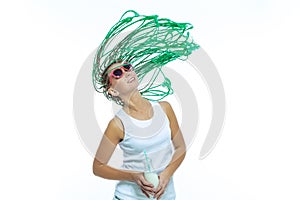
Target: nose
[(127, 73)]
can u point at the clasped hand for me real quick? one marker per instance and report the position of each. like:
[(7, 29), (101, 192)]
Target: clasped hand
[(148, 188)]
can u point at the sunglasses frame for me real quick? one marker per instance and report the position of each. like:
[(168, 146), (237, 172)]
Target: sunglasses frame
[(122, 68)]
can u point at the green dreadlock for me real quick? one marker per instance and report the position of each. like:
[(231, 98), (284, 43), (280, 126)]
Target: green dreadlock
[(148, 43)]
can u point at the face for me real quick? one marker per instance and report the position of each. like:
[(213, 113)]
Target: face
[(123, 80)]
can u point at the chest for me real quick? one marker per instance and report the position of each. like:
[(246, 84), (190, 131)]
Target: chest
[(150, 139)]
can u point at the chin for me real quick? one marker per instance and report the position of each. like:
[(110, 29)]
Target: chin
[(132, 88)]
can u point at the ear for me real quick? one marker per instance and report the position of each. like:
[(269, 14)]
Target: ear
[(113, 92)]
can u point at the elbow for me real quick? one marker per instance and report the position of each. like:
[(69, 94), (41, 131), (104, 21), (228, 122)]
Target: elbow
[(96, 167), (183, 154), (95, 170), (182, 151)]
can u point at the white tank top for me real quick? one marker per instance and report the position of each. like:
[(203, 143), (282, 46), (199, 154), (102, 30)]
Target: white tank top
[(153, 136)]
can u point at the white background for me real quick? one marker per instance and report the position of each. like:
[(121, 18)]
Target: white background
[(254, 45)]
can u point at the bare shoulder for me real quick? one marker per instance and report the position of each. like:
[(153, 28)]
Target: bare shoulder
[(114, 130), (166, 106)]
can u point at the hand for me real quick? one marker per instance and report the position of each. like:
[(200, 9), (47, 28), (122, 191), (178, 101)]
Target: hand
[(163, 182), (146, 187)]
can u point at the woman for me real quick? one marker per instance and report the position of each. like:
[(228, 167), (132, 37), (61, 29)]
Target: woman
[(141, 127), (125, 87)]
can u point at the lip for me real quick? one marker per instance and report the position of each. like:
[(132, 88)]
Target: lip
[(131, 80)]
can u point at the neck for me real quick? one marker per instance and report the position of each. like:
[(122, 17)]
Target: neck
[(135, 102)]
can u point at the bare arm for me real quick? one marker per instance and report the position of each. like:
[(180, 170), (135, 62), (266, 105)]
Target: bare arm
[(177, 140), (112, 136), (179, 146)]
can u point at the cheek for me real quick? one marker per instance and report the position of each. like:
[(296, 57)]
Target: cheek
[(134, 74), (119, 84)]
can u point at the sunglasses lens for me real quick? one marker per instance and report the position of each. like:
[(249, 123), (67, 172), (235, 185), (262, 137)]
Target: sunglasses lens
[(127, 66), (117, 72)]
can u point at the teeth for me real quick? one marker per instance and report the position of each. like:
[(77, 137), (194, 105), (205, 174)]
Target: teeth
[(131, 79)]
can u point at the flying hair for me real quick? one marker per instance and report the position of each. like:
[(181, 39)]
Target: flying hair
[(148, 43)]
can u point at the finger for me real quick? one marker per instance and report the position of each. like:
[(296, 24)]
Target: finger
[(159, 191), (147, 195), (159, 187), (148, 189), (147, 186), (159, 194), (146, 183)]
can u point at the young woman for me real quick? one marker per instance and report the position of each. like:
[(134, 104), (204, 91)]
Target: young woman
[(139, 126)]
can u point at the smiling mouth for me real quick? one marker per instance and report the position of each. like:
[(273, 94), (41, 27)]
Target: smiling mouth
[(131, 79)]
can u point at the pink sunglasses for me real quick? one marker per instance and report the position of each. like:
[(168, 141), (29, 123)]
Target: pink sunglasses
[(119, 72)]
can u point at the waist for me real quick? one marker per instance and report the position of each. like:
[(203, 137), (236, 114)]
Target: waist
[(160, 159)]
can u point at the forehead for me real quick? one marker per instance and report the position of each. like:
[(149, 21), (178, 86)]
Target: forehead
[(114, 66)]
